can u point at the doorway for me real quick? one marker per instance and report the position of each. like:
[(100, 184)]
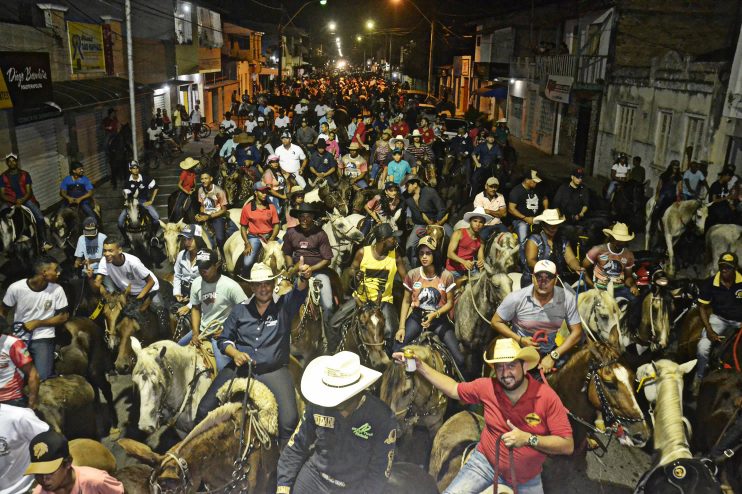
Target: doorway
[(584, 110)]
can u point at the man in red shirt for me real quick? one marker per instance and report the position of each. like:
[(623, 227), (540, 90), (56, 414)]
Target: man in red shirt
[(258, 223), (14, 359), (426, 131), (525, 415)]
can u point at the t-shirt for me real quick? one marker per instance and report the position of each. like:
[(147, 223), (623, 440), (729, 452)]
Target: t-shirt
[(609, 265), (76, 188), (539, 411), (18, 426), (314, 246), (13, 355), (216, 299), (228, 124), (378, 276), (132, 272), (282, 122), (153, 134), (396, 170), (258, 221), (90, 248), (693, 179), (30, 304), (725, 302), (91, 480), (527, 202), (290, 158), (428, 293), (353, 167), (187, 179), (622, 169), (213, 200), (498, 202)]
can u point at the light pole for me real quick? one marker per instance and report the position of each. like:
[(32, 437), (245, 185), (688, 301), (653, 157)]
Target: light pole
[(430, 49), (280, 34)]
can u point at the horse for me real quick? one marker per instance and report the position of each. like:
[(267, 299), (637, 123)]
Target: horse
[(411, 397), (593, 381), (427, 172), (307, 327), (171, 231), (330, 199), (364, 334), (270, 254), (192, 462), (654, 327), (187, 210), (343, 233), (19, 235), (452, 445), (66, 403), (600, 313), (483, 292), (90, 453), (66, 228), (137, 225), (722, 238), (171, 380), (123, 319), (502, 252), (677, 219), (676, 469), (689, 331)]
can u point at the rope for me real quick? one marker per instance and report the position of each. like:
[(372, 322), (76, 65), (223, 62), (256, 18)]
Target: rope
[(473, 300)]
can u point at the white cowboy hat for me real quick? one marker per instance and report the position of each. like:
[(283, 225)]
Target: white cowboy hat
[(330, 380), (393, 142), (478, 212), (502, 120), (619, 232), (550, 217), (260, 272), (415, 133), (507, 350), (188, 163)]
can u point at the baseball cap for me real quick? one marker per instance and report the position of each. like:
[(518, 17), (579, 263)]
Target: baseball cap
[(11, 155), (533, 175), (728, 258), (90, 227), (579, 173), (260, 186), (544, 266), (261, 119), (206, 258), (391, 185), (428, 242), (48, 450), (321, 143), (492, 181), (190, 231), (285, 135), (133, 164)]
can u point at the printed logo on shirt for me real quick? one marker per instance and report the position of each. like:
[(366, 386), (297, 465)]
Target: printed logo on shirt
[(532, 203), (303, 244), (533, 419), (130, 276), (364, 431), (417, 285), (4, 448), (324, 421), (208, 298), (47, 304)]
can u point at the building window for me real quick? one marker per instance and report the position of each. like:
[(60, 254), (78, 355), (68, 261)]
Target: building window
[(624, 128), (183, 24), (694, 136), (662, 136)]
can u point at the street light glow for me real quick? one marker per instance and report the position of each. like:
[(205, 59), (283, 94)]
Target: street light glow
[(332, 25), (337, 40), (323, 2), (359, 38), (370, 24)]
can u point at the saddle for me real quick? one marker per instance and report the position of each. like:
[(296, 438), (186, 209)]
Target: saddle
[(682, 476)]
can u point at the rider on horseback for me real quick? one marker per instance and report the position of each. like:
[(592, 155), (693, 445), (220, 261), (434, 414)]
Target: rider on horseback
[(144, 185), (77, 189), (620, 172), (17, 191), (89, 249), (485, 157)]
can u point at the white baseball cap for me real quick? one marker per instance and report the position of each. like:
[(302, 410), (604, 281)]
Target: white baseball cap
[(545, 266)]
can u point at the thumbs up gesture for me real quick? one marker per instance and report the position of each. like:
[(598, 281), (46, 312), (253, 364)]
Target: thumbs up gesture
[(514, 438), (305, 272)]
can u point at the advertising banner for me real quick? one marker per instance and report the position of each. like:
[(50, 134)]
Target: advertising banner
[(87, 50), (558, 88), (26, 84)]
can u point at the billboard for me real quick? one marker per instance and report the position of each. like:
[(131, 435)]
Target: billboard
[(26, 84), (87, 52), (558, 88)]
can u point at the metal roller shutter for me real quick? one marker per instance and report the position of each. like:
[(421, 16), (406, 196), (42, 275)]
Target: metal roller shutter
[(38, 152), (159, 101), (90, 144)]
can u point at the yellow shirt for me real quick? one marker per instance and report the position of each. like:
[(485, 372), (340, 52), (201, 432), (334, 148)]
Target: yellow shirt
[(378, 275)]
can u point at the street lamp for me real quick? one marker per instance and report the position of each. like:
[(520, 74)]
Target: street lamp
[(370, 24), (359, 38), (280, 34), (331, 25)]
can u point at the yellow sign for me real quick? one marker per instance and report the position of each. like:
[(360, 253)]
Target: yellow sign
[(5, 101), (86, 47)]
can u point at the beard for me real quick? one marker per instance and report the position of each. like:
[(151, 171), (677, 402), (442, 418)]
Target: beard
[(510, 383)]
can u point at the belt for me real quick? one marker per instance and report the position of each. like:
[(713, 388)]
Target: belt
[(331, 480)]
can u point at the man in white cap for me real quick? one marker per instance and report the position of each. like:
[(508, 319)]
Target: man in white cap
[(346, 438), (292, 158), (525, 416), (493, 204), (533, 315)]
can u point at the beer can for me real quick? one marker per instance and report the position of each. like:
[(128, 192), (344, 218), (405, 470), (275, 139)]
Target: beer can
[(410, 363)]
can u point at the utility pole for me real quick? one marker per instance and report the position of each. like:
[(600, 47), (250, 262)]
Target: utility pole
[(430, 56), (132, 95)]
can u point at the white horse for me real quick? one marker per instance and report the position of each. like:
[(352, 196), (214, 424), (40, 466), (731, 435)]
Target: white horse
[(676, 219), (722, 238), (599, 313), (171, 380), (343, 232), (271, 252)]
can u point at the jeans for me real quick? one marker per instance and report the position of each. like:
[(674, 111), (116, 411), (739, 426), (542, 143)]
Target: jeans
[(477, 475), (278, 381), (347, 310), (150, 210), (722, 327), (249, 259), (522, 229), (221, 359), (223, 228), (310, 481), (611, 189), (440, 326), (42, 353)]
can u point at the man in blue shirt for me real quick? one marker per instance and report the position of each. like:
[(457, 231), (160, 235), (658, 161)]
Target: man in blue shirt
[(485, 156), (322, 164), (77, 189), (397, 169), (256, 335), (89, 249)]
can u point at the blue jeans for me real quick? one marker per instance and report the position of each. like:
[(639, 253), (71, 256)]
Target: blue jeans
[(477, 475), (249, 259), (611, 189), (722, 327), (440, 326), (42, 353), (522, 229), (221, 359), (150, 210)]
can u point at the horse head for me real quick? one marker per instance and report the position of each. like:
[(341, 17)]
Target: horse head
[(272, 255), (371, 335), (499, 285), (699, 217), (150, 377), (654, 327), (610, 390), (131, 204), (345, 229), (600, 312), (504, 250), (170, 234), (7, 228), (119, 328)]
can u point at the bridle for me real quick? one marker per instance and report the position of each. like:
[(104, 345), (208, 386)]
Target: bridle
[(611, 418), (354, 328), (311, 306)]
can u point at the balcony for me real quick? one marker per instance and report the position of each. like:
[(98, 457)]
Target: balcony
[(585, 69)]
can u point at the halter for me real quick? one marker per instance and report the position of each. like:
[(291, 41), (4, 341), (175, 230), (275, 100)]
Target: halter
[(354, 328), (315, 287), (610, 416)]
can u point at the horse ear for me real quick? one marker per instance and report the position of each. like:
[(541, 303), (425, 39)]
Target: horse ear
[(163, 224), (262, 242), (614, 338), (688, 366), (135, 345)]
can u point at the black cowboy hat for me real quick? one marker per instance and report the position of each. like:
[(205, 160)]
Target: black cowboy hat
[(304, 208)]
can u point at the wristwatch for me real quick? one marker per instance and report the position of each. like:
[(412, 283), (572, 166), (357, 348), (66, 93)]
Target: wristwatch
[(554, 355), (532, 441)]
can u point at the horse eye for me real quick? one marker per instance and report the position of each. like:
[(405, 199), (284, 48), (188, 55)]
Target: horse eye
[(611, 385)]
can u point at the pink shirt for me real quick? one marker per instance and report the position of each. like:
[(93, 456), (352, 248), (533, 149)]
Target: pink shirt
[(91, 481), (498, 202)]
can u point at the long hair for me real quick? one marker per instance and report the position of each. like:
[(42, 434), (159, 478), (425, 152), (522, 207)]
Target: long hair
[(438, 261)]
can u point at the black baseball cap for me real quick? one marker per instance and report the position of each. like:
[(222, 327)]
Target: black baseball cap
[(206, 258), (47, 450), (728, 258), (384, 230), (90, 227)]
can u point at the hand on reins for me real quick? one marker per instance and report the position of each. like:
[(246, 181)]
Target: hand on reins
[(241, 358), (428, 320), (515, 438), (547, 364), (183, 310)]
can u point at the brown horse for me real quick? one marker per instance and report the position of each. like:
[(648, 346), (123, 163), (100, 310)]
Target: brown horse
[(594, 381), (689, 330), (364, 335), (307, 328), (193, 461), (452, 445), (66, 404)]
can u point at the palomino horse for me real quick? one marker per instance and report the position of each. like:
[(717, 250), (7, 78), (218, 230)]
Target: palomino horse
[(307, 328), (427, 172), (171, 380), (343, 233), (502, 252), (364, 334), (676, 219), (474, 310), (593, 381), (600, 313), (171, 232), (452, 445), (654, 327), (412, 398), (676, 470), (270, 254), (245, 465)]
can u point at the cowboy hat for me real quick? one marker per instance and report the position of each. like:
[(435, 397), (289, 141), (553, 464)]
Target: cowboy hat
[(393, 141), (354, 145), (304, 207), (619, 232), (304, 101), (415, 133), (260, 272), (296, 189), (507, 349), (478, 213), (550, 217), (189, 163), (502, 120), (330, 380)]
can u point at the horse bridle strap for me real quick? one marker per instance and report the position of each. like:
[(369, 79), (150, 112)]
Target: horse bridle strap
[(609, 415), (511, 457)]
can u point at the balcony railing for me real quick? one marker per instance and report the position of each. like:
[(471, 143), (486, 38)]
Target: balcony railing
[(586, 69)]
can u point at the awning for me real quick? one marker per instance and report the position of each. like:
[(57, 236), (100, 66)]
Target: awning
[(73, 95), (497, 91)]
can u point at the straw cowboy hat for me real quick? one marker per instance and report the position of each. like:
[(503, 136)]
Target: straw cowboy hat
[(354, 145), (244, 139), (502, 120), (399, 138), (415, 133), (550, 217), (619, 232), (330, 380), (189, 163), (296, 189), (260, 272), (507, 350), (478, 213)]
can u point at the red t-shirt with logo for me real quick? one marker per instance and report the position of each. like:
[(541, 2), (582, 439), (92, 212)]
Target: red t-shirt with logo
[(258, 221), (13, 355), (539, 411)]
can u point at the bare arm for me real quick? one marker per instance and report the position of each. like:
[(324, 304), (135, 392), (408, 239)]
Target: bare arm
[(147, 287), (33, 383), (195, 321), (447, 385)]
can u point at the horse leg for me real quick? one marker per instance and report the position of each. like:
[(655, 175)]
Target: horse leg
[(670, 253)]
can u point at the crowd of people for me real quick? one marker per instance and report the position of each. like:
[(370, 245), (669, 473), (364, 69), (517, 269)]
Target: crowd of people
[(367, 133)]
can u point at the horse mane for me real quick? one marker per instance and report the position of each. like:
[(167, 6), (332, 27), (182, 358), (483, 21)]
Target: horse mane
[(396, 374), (606, 352), (213, 419), (670, 437), (260, 396)]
